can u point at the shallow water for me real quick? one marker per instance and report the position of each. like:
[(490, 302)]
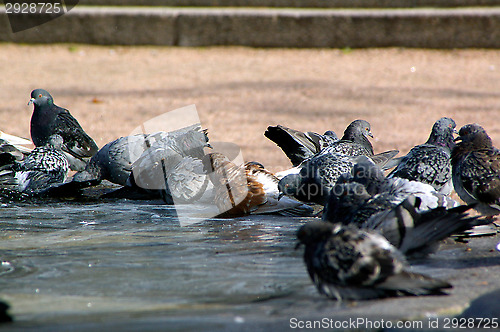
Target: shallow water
[(128, 265), (61, 260)]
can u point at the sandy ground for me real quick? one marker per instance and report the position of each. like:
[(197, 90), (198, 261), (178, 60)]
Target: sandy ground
[(238, 92)]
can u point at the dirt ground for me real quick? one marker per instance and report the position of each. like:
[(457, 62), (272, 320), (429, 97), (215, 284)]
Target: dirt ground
[(238, 92)]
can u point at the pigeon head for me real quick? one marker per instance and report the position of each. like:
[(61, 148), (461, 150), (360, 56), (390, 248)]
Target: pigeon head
[(314, 232), (289, 185), (40, 97), (442, 133), (332, 134), (367, 173), (56, 141), (358, 128), (475, 135)]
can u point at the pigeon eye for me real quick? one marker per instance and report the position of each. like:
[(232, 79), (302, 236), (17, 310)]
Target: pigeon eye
[(40, 96)]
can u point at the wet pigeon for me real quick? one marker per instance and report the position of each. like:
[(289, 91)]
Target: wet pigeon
[(346, 263), (476, 170), (394, 189), (316, 176), (248, 189), (49, 119), (404, 225), (430, 162), (170, 158), (297, 145)]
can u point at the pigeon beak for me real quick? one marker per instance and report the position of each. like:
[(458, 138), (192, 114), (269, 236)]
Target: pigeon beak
[(32, 100), (370, 134), (280, 195)]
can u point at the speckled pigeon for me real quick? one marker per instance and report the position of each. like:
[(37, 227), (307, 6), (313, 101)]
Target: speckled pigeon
[(49, 119), (430, 162), (45, 167), (316, 176), (476, 170), (346, 263)]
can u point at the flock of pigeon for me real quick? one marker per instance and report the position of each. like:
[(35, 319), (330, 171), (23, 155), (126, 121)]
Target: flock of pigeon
[(368, 222)]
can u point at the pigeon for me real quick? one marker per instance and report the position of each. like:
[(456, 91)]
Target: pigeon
[(413, 231), (248, 189), (167, 156), (113, 162), (430, 162), (44, 167), (49, 119), (299, 146), (476, 170), (316, 176), (355, 140), (346, 263), (394, 189)]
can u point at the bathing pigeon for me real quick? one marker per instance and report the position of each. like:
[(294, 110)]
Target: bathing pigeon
[(45, 167), (312, 180), (159, 165), (248, 189), (404, 225), (476, 170), (430, 162), (346, 263), (49, 119), (298, 145)]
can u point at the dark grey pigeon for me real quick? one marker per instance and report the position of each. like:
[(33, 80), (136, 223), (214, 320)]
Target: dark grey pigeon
[(346, 263), (430, 162), (404, 225), (476, 170), (113, 162), (49, 119), (298, 145), (417, 233)]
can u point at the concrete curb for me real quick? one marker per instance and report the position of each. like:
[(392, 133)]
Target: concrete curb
[(296, 3), (266, 27)]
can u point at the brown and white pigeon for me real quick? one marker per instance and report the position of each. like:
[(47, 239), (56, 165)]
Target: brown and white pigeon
[(476, 169), (248, 189)]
